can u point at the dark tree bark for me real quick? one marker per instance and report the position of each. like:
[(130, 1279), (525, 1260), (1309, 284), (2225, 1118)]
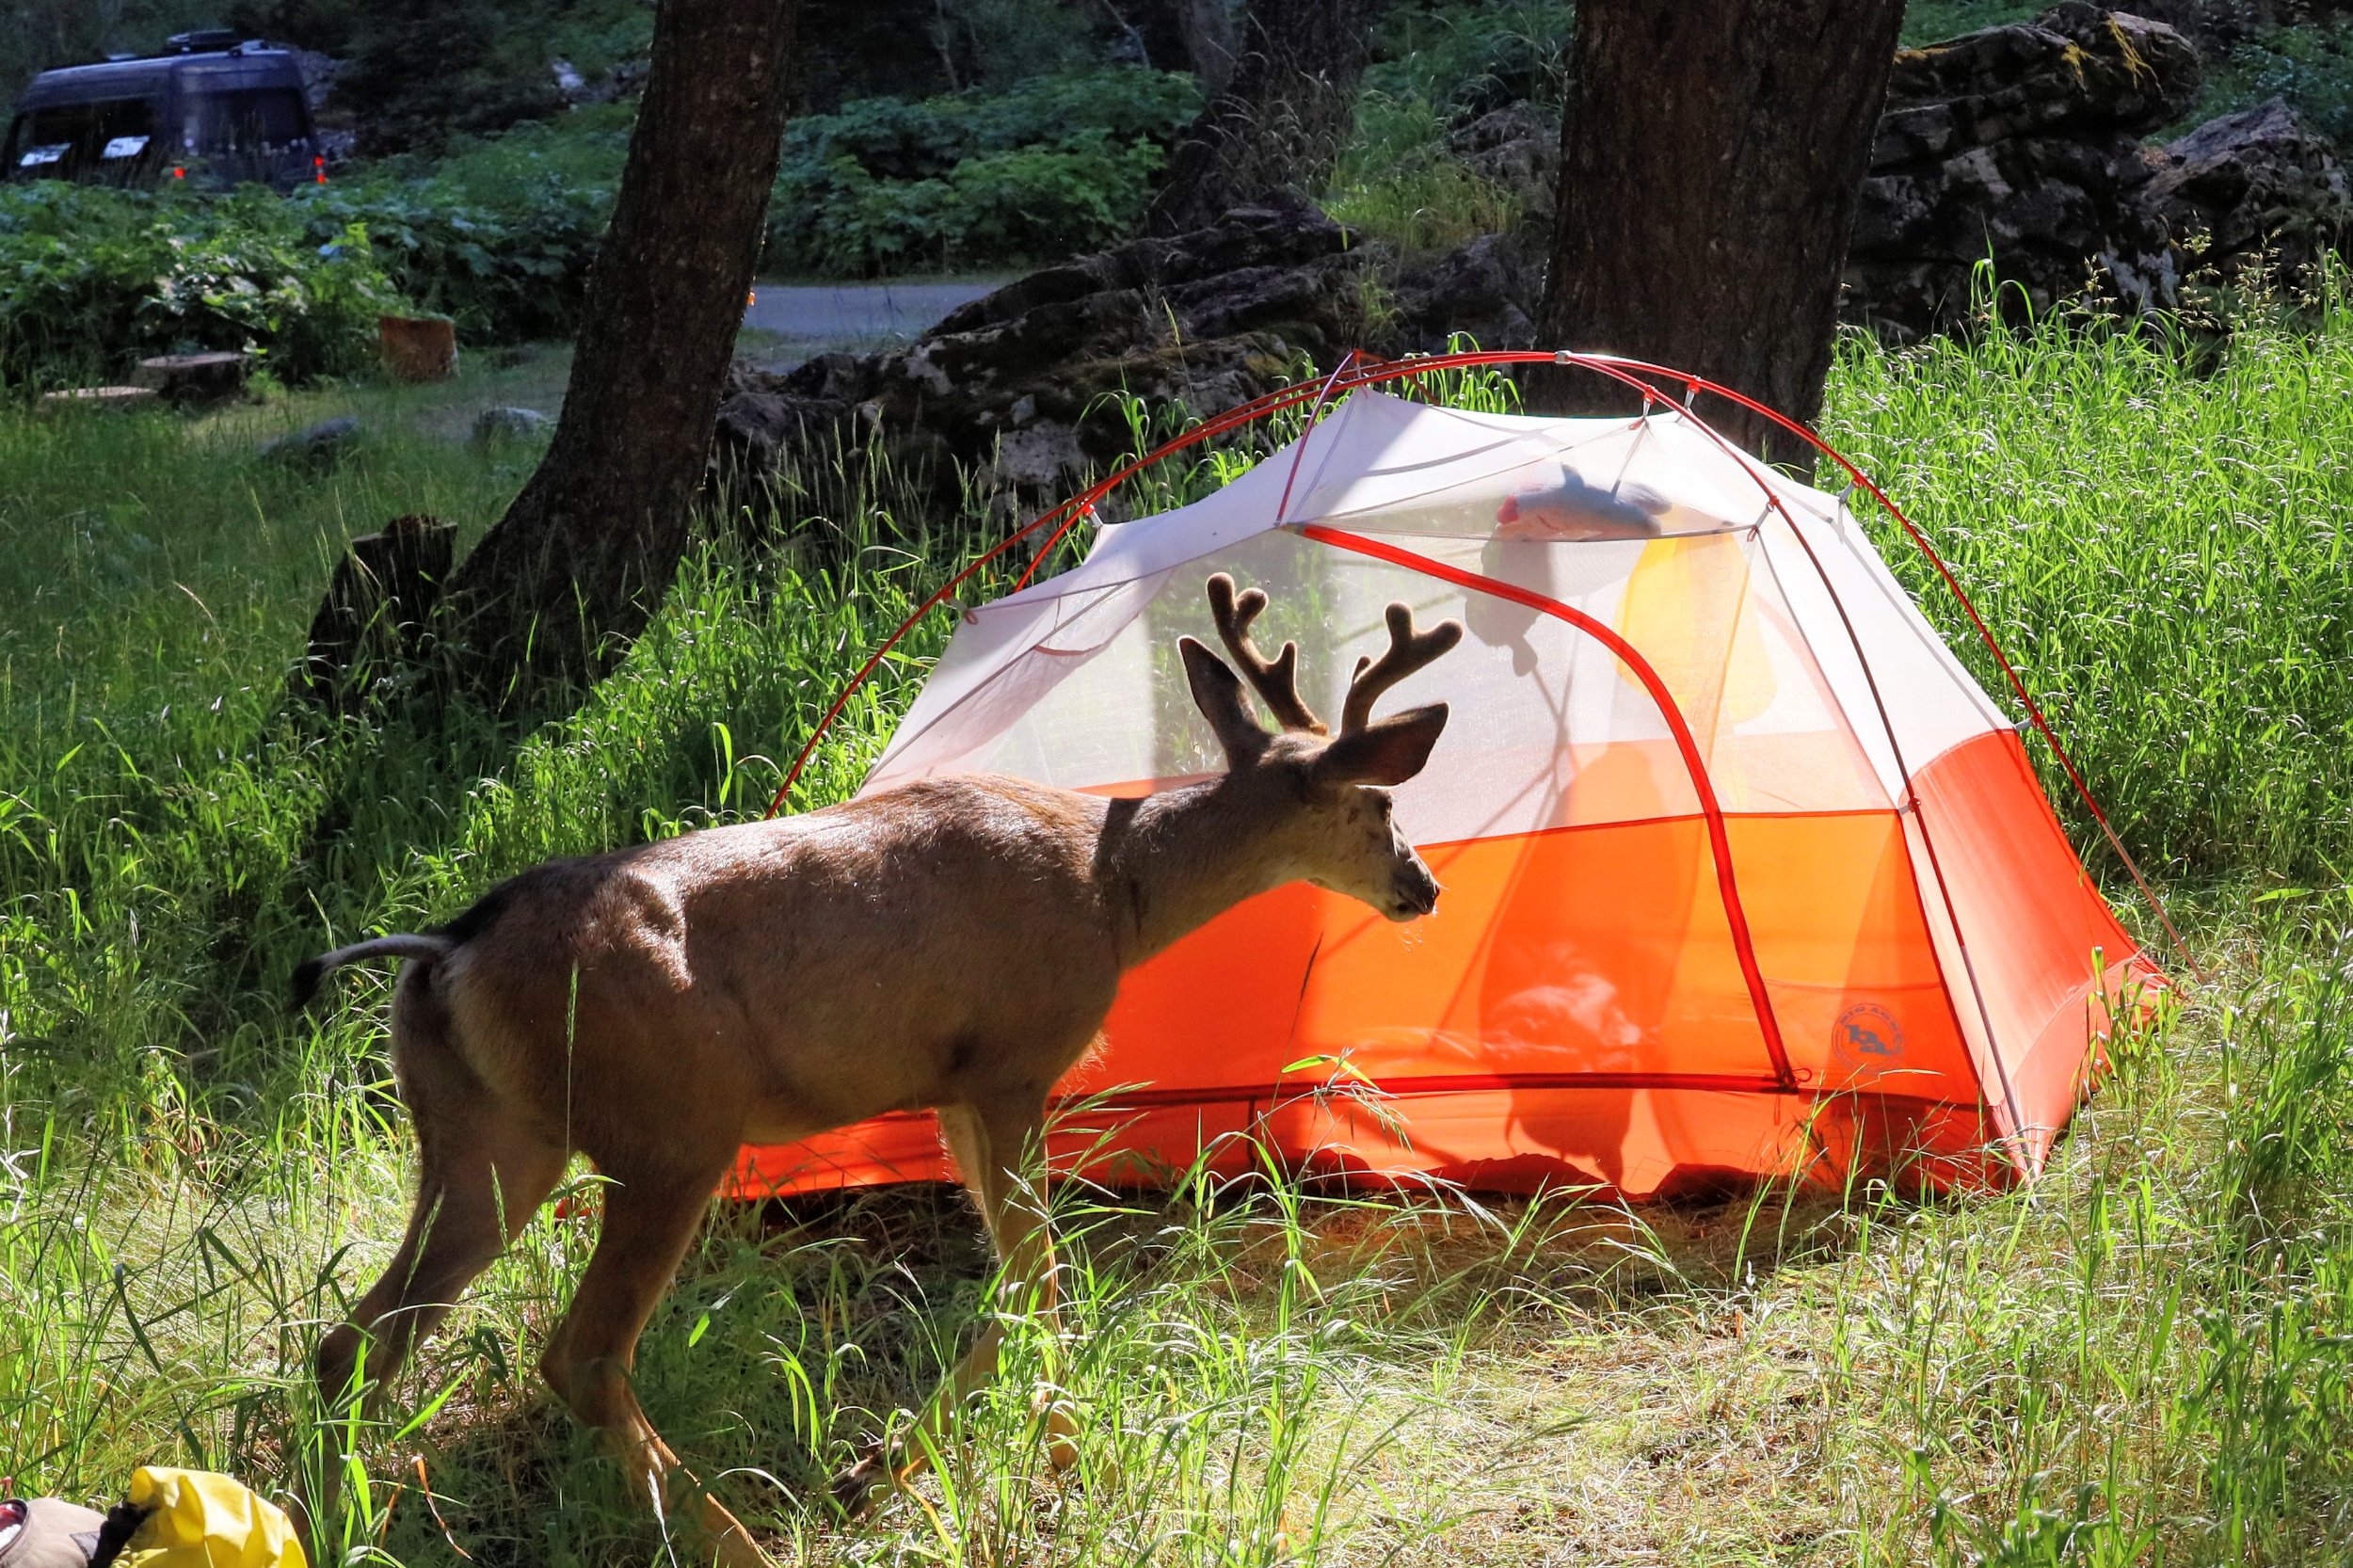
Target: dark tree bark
[(565, 581), (1208, 29), (1711, 154), (1284, 114)]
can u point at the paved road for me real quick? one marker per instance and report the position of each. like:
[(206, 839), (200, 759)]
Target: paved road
[(813, 318)]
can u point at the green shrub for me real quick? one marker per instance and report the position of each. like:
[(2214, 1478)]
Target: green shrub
[(505, 273), (1466, 60), (92, 280), (498, 237), (1400, 182), (1398, 179), (2310, 67), (1929, 22), (1057, 165)]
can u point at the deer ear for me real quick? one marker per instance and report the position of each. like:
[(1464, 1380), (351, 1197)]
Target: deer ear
[(1217, 692), (1386, 751)]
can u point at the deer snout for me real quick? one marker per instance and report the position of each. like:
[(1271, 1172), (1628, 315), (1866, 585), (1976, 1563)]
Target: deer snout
[(1413, 892)]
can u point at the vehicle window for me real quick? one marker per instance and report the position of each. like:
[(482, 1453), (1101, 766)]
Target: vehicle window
[(75, 142), (255, 120)]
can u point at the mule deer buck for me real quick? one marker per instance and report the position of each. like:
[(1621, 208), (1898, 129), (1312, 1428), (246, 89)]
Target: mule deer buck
[(952, 944)]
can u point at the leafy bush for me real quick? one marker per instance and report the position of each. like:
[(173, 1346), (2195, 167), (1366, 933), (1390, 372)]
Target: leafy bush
[(498, 237), (1056, 164), (1929, 22), (505, 273), (91, 280), (1436, 70), (1401, 181), (2311, 67)]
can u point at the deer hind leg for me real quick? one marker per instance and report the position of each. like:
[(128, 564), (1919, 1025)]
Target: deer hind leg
[(647, 1229), (996, 1147), (481, 1176)]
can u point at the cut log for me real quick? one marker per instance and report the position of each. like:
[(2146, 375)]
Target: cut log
[(99, 397), (382, 596), (214, 377)]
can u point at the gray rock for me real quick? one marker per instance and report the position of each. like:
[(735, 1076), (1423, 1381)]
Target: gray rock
[(2020, 144), (1017, 386), (2259, 187), (509, 425), (319, 76), (321, 446), (1517, 148), (1487, 290)]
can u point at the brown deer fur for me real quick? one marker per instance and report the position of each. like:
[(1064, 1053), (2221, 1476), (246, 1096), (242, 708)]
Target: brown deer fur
[(952, 944)]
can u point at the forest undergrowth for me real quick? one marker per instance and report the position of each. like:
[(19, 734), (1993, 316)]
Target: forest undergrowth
[(2145, 1357)]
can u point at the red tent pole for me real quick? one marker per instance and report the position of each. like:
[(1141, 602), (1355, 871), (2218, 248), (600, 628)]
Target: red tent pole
[(1718, 837)]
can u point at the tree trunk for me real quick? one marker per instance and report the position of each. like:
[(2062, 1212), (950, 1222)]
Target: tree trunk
[(1283, 118), (1711, 154), (560, 587), (1208, 29)]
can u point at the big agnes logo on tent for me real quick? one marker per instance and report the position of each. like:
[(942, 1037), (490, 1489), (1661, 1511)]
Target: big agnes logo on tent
[(1866, 1039)]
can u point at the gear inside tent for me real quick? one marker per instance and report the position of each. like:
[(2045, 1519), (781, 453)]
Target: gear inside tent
[(1744, 875)]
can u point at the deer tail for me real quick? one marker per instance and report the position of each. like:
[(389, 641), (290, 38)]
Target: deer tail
[(307, 975)]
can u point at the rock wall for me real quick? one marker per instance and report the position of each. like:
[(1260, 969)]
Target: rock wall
[(2254, 188), (2022, 143)]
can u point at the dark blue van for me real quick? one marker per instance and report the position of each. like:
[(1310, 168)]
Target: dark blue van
[(215, 109)]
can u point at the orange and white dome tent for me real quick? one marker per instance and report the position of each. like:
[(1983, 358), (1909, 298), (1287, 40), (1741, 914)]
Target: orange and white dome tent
[(1744, 875)]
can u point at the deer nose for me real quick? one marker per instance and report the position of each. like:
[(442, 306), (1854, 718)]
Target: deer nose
[(1416, 894)]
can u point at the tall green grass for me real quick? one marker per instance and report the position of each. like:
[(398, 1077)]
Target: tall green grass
[(2146, 1358), (2161, 549)]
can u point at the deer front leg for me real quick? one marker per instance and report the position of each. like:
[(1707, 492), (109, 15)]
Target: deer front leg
[(995, 1144), (647, 1229)]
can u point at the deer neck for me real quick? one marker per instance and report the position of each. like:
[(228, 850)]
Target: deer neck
[(1170, 863)]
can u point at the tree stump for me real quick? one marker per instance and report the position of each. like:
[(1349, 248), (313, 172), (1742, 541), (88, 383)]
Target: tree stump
[(185, 378), (375, 610), (417, 349)]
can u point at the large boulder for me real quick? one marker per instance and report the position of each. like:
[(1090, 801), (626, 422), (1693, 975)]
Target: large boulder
[(1487, 290), (1019, 384), (2258, 187), (1517, 148), (2022, 143)]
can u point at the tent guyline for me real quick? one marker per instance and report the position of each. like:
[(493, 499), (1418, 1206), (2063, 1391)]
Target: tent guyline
[(1745, 872)]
